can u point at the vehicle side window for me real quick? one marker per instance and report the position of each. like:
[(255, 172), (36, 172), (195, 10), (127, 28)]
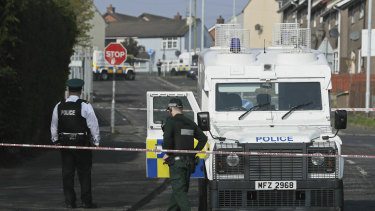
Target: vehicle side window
[(161, 113)]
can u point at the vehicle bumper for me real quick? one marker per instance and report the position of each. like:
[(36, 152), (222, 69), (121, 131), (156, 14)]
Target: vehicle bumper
[(309, 195)]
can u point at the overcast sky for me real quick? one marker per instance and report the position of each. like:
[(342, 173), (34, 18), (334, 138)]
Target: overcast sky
[(169, 8)]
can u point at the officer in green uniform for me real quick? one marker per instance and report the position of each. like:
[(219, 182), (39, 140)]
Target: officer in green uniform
[(179, 134)]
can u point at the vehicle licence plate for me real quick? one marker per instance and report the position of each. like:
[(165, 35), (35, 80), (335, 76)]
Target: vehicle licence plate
[(275, 185)]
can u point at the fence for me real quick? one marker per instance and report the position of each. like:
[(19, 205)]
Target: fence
[(81, 67)]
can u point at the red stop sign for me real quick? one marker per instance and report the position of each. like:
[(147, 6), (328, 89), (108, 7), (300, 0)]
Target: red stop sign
[(115, 54)]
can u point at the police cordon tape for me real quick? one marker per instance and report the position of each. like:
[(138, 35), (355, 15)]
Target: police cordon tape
[(353, 109), (332, 109), (185, 151)]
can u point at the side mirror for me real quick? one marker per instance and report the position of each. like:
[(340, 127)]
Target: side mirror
[(340, 119), (204, 121)]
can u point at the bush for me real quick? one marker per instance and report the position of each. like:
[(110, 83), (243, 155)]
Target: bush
[(36, 43)]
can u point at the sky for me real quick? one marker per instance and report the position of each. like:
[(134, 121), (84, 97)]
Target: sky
[(169, 8)]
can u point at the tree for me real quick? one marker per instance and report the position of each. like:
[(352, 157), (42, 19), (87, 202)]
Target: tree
[(36, 43), (132, 46), (83, 10)]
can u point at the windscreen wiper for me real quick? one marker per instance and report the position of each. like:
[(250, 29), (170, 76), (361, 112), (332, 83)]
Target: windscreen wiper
[(252, 109), (295, 108)]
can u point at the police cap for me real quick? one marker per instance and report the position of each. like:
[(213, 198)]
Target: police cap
[(175, 102), (75, 84)]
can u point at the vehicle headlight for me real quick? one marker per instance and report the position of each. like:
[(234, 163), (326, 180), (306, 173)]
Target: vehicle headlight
[(233, 160), (317, 161)]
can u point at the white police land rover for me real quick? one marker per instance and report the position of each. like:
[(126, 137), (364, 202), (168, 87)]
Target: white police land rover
[(271, 100)]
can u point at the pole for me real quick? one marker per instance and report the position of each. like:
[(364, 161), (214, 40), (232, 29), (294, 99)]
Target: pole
[(190, 28), (113, 100), (202, 30), (368, 69), (234, 11), (195, 26), (308, 14)]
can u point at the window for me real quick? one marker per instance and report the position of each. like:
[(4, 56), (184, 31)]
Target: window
[(161, 113), (336, 62), (272, 96), (169, 43), (362, 12), (336, 18)]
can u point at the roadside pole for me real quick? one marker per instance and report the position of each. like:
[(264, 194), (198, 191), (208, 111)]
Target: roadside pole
[(115, 54), (368, 69), (113, 100)]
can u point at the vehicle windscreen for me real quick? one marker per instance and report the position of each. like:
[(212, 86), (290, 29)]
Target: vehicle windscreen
[(271, 96)]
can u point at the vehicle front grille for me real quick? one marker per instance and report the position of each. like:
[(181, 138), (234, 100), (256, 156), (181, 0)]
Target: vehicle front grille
[(224, 171), (230, 198), (267, 167), (322, 198), (329, 166), (276, 198), (275, 167)]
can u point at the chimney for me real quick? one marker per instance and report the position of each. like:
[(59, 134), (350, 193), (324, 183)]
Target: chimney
[(220, 20), (111, 9), (178, 16)]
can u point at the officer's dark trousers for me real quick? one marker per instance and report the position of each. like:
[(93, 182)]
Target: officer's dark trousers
[(82, 161), (180, 178)]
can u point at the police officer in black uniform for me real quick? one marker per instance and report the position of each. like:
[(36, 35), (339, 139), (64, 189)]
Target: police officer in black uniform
[(74, 124), (179, 134)]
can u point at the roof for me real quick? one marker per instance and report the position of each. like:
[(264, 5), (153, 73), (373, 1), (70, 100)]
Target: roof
[(142, 29), (152, 17), (121, 17)]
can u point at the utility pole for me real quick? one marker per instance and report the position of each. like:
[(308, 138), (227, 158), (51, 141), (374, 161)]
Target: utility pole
[(308, 14), (368, 69), (195, 26), (202, 28), (234, 11), (190, 19)]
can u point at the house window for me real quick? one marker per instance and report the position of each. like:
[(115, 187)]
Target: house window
[(315, 16), (335, 62), (169, 43), (362, 12), (336, 18)]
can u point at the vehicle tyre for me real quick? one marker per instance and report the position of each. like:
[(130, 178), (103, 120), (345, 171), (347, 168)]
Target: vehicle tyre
[(104, 76), (173, 72), (130, 76)]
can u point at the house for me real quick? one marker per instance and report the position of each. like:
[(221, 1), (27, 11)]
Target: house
[(238, 19), (336, 30), (259, 17), (97, 32), (164, 37), (220, 20), (112, 16), (336, 27)]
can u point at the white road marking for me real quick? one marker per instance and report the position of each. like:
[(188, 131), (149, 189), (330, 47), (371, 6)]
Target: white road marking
[(361, 170), (350, 161)]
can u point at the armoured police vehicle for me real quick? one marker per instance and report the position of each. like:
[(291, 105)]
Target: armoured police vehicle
[(103, 71), (269, 100)]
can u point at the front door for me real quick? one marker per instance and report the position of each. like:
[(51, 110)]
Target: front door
[(157, 103)]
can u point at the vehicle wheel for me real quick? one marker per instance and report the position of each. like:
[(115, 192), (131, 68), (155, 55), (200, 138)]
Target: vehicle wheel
[(104, 76), (173, 72), (130, 76)]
